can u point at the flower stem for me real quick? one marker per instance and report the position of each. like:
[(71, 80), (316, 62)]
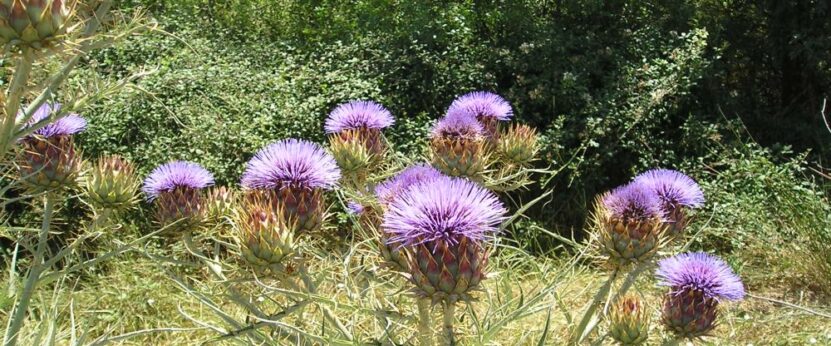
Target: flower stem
[(425, 320), (312, 288), (449, 319), (583, 329), (16, 321), (13, 98)]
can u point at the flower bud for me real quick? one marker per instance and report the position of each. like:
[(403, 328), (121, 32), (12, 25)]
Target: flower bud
[(629, 322), (518, 145), (354, 157), (267, 241), (112, 183), (34, 23), (219, 203)]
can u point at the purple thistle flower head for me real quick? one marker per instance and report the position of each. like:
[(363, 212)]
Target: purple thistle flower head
[(392, 187), (633, 201), (482, 104), (358, 115), (176, 174), (703, 272), (69, 124), (443, 209), (457, 125), (673, 187), (291, 163), (354, 208)]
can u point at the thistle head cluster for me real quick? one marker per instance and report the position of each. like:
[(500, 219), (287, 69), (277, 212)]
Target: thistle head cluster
[(176, 189), (49, 160), (470, 142), (35, 23), (697, 283), (677, 193), (112, 183)]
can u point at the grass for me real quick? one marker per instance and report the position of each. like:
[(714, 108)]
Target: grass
[(137, 293)]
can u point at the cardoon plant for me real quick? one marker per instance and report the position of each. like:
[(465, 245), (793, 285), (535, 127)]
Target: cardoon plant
[(631, 224), (355, 138), (697, 283), (486, 107), (387, 192), (677, 192), (176, 190), (442, 224), (457, 146), (298, 171), (49, 159), (267, 240)]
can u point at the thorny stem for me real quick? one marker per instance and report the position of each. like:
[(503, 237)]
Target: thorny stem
[(583, 329), (312, 288), (16, 321), (425, 322), (447, 326), (13, 97)]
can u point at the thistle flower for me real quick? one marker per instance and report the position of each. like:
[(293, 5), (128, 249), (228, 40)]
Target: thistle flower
[(298, 171), (629, 322), (354, 208), (676, 191), (698, 282), (34, 23), (267, 241), (356, 142), (357, 115), (631, 224), (441, 223), (457, 146), (176, 190), (386, 193), (112, 183), (388, 190), (486, 107), (49, 159)]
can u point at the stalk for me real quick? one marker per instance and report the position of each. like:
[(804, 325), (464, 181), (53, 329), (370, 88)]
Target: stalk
[(13, 97), (312, 288), (583, 328), (425, 321), (447, 326), (16, 321)]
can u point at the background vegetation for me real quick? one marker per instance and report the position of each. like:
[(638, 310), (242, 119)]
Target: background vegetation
[(727, 91)]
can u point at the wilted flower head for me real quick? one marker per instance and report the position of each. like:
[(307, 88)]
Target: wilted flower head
[(66, 125), (633, 201), (481, 105), (358, 115), (457, 126), (672, 187), (291, 163), (391, 188), (701, 272), (176, 174), (443, 210)]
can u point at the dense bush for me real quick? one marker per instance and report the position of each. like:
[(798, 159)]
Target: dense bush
[(615, 87)]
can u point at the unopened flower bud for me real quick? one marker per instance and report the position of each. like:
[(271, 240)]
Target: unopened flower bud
[(112, 183), (629, 322)]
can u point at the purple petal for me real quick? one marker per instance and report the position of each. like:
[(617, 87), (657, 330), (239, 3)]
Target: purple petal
[(482, 104), (291, 162), (176, 174), (700, 271), (673, 188), (358, 115)]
